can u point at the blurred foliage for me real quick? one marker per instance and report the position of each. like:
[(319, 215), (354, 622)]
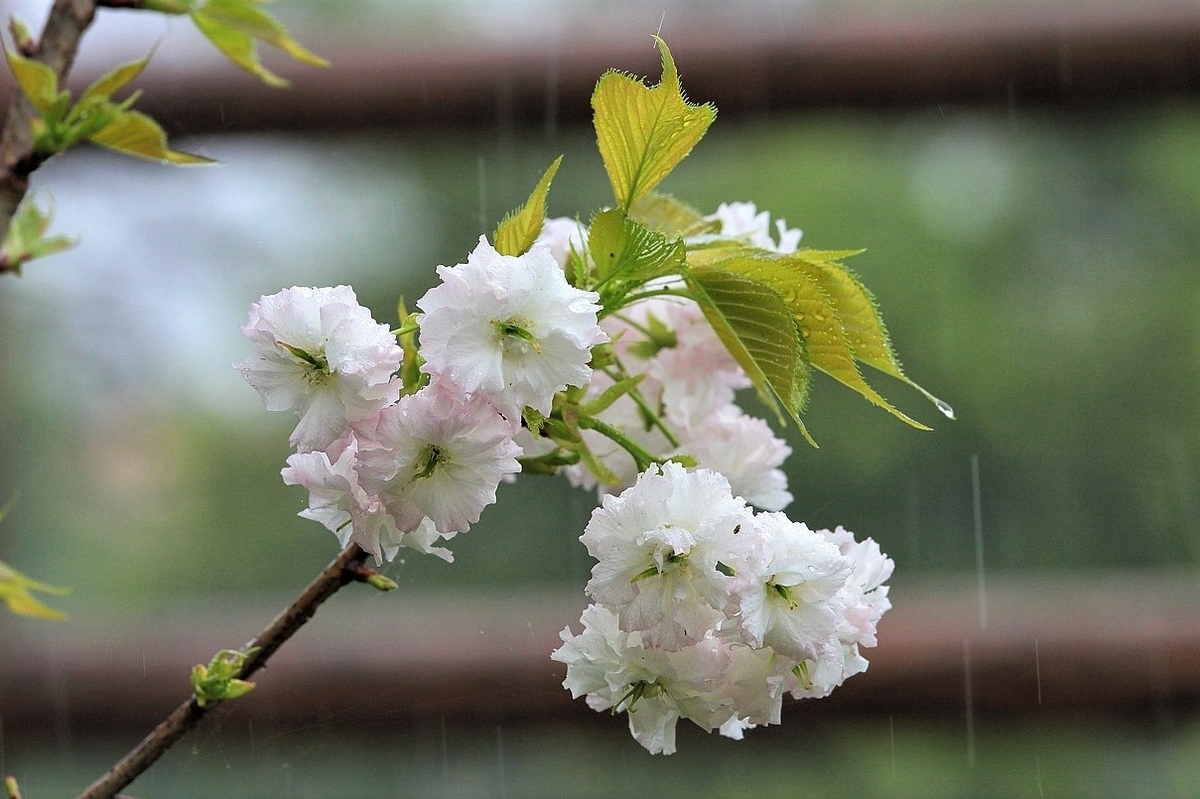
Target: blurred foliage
[(1036, 269)]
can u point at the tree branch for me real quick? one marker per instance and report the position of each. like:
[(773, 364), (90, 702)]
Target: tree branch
[(345, 568), (56, 49)]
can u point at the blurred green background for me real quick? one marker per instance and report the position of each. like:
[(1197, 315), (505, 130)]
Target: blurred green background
[(1036, 267)]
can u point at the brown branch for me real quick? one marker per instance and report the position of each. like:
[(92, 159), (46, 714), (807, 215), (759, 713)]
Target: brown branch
[(56, 49), (345, 568)]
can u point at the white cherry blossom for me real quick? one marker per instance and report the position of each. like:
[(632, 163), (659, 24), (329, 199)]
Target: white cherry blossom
[(659, 547), (441, 456), (744, 222), (318, 352), (509, 328)]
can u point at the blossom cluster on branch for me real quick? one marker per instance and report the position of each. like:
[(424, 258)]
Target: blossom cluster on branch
[(708, 611), (611, 352), (389, 465)]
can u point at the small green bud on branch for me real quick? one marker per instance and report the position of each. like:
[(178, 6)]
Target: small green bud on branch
[(218, 680)]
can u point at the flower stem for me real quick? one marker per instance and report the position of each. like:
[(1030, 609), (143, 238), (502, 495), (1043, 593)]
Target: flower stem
[(641, 456), (345, 568)]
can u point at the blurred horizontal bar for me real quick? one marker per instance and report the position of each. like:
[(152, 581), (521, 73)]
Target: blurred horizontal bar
[(795, 58), (1044, 644)]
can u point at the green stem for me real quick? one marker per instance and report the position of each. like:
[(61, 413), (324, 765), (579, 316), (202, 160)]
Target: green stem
[(628, 300), (641, 456)]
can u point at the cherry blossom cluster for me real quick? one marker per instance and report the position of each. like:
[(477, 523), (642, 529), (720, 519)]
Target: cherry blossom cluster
[(708, 611), (386, 467), (709, 604)]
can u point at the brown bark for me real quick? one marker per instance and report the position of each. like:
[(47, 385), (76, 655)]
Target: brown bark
[(56, 49), (346, 567)]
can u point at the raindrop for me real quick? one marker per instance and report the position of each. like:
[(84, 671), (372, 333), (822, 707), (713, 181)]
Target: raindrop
[(482, 196), (1037, 669), (969, 701), (553, 81), (977, 511), (445, 752), (500, 761), (914, 516), (942, 405), (892, 734)]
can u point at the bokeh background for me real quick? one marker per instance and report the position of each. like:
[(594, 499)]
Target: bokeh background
[(1036, 263)]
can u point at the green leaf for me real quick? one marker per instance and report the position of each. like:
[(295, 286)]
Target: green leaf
[(644, 132), (94, 117), (234, 25), (599, 404), (664, 214), (758, 329), (411, 376), (112, 82), (520, 228), (134, 133), (16, 590), (169, 6), (26, 238), (859, 316), (21, 36), (801, 285), (86, 119), (622, 249), (218, 680), (38, 82)]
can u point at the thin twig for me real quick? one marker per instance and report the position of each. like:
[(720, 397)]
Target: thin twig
[(345, 568), (56, 49)]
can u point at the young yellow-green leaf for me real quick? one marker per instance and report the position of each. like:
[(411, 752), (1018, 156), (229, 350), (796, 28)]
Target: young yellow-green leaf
[(246, 15), (21, 36), (623, 249), (87, 118), (37, 81), (26, 238), (16, 592), (643, 132), (600, 404), (757, 327), (234, 25), (169, 6), (801, 285), (218, 680), (411, 376), (112, 82), (664, 214), (520, 228), (859, 316), (16, 588), (134, 133)]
